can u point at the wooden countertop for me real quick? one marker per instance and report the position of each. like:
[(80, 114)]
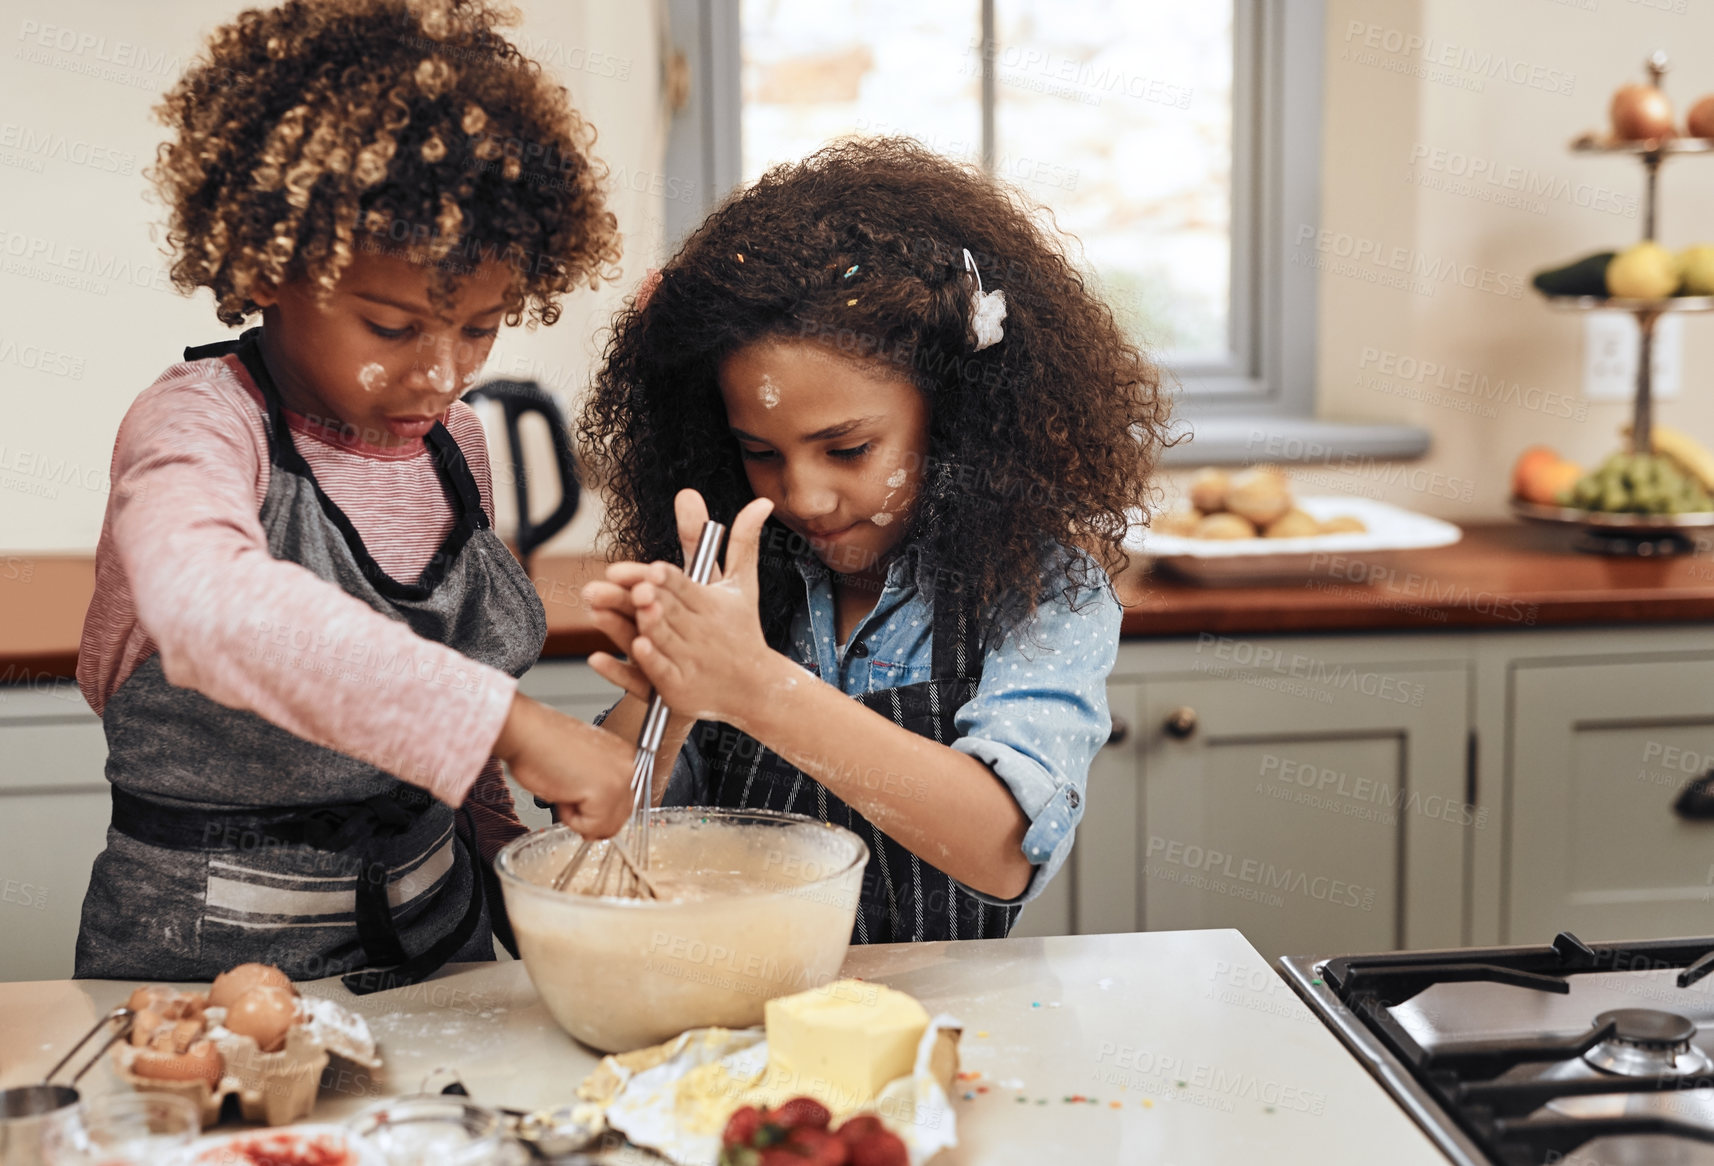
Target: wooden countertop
[(1502, 575)]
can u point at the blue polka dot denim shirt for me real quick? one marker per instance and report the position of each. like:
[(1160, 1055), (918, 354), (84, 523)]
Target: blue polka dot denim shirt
[(1038, 717)]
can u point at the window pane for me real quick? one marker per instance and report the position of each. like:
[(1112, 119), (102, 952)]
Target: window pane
[(816, 71), (1118, 115)]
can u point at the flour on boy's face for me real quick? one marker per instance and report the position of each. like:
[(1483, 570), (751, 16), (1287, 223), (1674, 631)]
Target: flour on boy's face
[(378, 360), (839, 447)]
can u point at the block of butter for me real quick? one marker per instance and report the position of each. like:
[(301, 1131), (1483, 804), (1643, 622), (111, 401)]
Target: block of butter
[(847, 1039)]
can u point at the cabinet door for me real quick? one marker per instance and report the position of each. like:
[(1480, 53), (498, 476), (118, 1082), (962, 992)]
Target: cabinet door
[(1288, 804), (1600, 752), (54, 809)]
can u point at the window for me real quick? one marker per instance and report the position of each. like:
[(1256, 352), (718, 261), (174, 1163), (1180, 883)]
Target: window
[(1179, 142)]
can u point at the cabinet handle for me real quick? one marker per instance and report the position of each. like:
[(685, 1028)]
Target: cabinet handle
[(1180, 722), (1121, 730)]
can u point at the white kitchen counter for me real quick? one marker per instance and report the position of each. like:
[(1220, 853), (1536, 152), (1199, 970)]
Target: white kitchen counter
[(1188, 1047)]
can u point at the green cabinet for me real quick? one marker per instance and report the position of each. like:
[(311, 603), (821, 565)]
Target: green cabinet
[(1315, 802), (1600, 753)]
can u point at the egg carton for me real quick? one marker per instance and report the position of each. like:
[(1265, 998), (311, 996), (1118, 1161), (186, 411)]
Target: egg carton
[(273, 1088)]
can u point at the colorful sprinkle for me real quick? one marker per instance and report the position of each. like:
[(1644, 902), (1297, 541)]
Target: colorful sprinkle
[(1035, 1003), (740, 257), (983, 1033), (981, 1089), (1267, 1109), (851, 271), (1041, 1101), (851, 303), (1022, 1100), (1317, 983), (1180, 1084), (1147, 1104), (969, 1096), (1116, 1104)]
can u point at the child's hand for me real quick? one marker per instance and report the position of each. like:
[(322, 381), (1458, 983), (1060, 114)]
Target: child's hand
[(611, 606), (585, 772), (701, 646)]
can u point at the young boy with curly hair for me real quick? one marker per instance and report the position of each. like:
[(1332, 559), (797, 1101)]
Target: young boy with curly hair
[(305, 635), (929, 438)]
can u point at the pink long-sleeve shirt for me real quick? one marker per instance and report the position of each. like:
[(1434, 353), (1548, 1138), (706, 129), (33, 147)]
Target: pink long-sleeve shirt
[(183, 569)]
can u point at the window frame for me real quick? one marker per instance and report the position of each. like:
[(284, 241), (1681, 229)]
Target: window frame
[(1267, 382)]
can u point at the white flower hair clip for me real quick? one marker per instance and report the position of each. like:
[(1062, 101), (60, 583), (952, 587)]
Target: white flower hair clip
[(987, 309)]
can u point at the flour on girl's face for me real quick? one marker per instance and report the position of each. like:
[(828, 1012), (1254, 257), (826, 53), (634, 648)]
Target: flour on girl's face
[(372, 377), (896, 478), (769, 392)]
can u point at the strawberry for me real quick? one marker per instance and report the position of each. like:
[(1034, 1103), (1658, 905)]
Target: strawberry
[(860, 1127), (741, 1127), (780, 1156), (818, 1147), (800, 1112), (881, 1148)]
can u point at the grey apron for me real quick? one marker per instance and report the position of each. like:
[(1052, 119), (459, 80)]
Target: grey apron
[(233, 840), (905, 899)]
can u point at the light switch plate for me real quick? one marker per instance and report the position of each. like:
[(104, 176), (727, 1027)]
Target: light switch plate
[(1610, 342)]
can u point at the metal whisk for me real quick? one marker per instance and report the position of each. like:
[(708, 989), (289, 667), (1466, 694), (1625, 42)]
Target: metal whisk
[(627, 853)]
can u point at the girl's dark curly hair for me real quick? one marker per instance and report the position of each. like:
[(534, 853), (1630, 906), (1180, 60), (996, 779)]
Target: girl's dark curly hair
[(1046, 438), (308, 131)]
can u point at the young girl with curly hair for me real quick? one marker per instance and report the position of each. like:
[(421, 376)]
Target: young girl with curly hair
[(305, 634), (926, 432)]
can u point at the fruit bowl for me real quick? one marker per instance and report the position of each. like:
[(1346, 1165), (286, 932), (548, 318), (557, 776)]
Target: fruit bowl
[(756, 904), (1617, 522)]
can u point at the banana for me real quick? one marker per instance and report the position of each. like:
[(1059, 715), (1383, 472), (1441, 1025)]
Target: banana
[(1684, 449)]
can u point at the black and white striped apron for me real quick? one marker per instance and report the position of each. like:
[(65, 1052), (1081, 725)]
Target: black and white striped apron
[(905, 899), (233, 840)]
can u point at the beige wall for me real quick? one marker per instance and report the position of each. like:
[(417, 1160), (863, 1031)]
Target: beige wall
[(1378, 117), (1387, 112), (73, 356)]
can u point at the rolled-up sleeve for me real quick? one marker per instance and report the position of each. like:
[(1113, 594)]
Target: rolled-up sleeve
[(1040, 715)]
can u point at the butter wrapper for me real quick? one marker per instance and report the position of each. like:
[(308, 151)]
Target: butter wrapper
[(679, 1106)]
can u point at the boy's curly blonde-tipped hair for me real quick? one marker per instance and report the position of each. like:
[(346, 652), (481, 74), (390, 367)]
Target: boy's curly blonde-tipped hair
[(308, 132)]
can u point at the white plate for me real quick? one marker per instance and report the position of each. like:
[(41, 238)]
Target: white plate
[(1252, 560), (222, 1151)]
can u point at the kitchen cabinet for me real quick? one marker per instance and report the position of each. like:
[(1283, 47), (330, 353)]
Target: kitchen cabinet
[(1601, 751), (1321, 793), (53, 822), (1279, 787)]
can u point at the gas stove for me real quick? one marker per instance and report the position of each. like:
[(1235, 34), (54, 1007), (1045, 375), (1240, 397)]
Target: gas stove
[(1576, 1054)]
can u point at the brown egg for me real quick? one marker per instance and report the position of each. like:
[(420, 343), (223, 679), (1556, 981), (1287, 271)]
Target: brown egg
[(263, 1014), (1293, 524), (1224, 526), (228, 986), (201, 1062), (177, 1036)]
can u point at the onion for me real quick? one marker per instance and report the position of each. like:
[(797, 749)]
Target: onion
[(1699, 122), (1639, 112)]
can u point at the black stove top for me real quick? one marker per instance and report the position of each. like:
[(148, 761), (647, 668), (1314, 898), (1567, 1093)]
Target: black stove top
[(1577, 1054)]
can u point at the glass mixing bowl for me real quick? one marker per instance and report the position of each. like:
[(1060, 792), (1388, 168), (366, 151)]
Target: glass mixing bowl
[(756, 904)]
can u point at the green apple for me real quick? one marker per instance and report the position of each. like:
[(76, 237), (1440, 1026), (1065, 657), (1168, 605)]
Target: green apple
[(1646, 271), (1698, 265)]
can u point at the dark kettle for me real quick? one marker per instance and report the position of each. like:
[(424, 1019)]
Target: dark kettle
[(516, 398)]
